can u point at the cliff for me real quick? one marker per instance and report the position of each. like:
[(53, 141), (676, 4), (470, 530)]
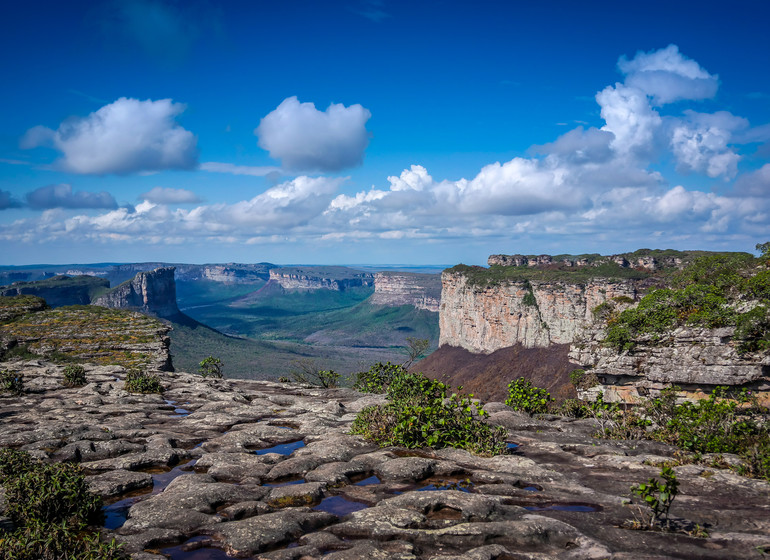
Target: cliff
[(485, 318), (644, 259), (82, 333), (695, 359), (393, 289), (60, 290), (338, 278), (152, 292)]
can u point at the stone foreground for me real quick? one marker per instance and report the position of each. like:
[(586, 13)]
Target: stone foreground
[(267, 470)]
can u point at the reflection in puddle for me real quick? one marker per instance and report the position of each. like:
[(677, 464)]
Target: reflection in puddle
[(511, 446), (368, 481), (197, 548), (115, 514), (282, 449), (339, 506), (279, 483), (586, 508), (178, 411), (464, 485)]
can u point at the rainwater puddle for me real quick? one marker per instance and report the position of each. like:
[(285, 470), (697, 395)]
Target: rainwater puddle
[(532, 489), (197, 548), (339, 506), (511, 446), (115, 514), (368, 481), (464, 485), (279, 483), (585, 508), (178, 411), (282, 449)]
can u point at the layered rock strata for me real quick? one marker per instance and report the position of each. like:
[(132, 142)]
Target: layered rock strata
[(531, 313), (149, 292), (267, 470), (422, 291), (695, 359), (623, 260), (335, 278)]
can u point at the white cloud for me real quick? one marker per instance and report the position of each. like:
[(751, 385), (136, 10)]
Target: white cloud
[(126, 136), (307, 139), (755, 183), (667, 76), (62, 196), (167, 195), (629, 116)]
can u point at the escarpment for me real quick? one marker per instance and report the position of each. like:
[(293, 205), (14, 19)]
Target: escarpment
[(485, 318), (422, 291), (337, 278), (60, 290), (149, 292)]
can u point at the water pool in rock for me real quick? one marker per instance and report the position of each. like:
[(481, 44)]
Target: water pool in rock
[(283, 448)]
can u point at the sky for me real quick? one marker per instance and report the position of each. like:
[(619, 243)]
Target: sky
[(380, 131)]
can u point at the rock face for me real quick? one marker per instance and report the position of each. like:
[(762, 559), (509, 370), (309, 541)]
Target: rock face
[(695, 359), (268, 470), (337, 278), (393, 289), (152, 292), (650, 262), (230, 273), (534, 314)]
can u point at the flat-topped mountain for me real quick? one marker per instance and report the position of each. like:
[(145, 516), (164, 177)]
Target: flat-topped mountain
[(338, 278)]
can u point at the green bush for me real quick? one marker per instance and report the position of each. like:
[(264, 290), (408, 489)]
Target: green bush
[(306, 371), (524, 396), (12, 383), (138, 381), (421, 415), (582, 379), (377, 378), (57, 542), (753, 330), (211, 367), (74, 376), (658, 496), (14, 463)]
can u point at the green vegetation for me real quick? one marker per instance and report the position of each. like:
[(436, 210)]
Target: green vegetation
[(12, 307), (582, 379), (53, 510), (210, 367), (92, 286), (138, 381), (377, 378), (705, 294), (523, 396), (74, 375), (12, 383), (306, 371), (415, 349), (420, 414), (658, 497)]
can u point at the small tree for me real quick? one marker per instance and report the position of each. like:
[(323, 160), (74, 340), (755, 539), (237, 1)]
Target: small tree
[(211, 367), (415, 349), (306, 371)]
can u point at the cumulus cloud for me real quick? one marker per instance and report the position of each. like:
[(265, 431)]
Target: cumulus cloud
[(7, 200), (306, 139), (755, 183), (667, 76), (62, 196), (630, 118), (126, 136), (167, 195)]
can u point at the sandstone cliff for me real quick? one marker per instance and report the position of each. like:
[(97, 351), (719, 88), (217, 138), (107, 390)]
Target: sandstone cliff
[(152, 292), (338, 278), (532, 313), (643, 259), (422, 291), (60, 290), (695, 359)]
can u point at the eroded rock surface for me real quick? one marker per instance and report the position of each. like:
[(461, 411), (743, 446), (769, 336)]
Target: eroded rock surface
[(267, 470)]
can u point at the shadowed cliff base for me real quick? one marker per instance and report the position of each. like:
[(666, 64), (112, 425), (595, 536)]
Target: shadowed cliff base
[(487, 375)]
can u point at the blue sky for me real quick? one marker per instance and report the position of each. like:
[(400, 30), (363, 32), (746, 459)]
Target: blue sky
[(367, 131)]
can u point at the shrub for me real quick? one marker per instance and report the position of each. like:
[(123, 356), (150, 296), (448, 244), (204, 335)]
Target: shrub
[(74, 376), (377, 378), (211, 367), (11, 382), (14, 462), (658, 496), (582, 379), (420, 414), (753, 330), (573, 408), (56, 542), (306, 371), (523, 396), (138, 381)]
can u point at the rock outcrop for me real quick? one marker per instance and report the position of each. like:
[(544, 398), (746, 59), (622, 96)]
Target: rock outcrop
[(337, 278), (695, 359), (640, 260), (152, 292), (530, 313), (268, 470), (422, 291)]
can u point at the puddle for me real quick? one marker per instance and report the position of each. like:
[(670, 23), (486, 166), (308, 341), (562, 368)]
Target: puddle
[(178, 411), (511, 446), (197, 548), (585, 508), (339, 506), (533, 488), (464, 485), (279, 483), (368, 481), (282, 449), (115, 514)]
